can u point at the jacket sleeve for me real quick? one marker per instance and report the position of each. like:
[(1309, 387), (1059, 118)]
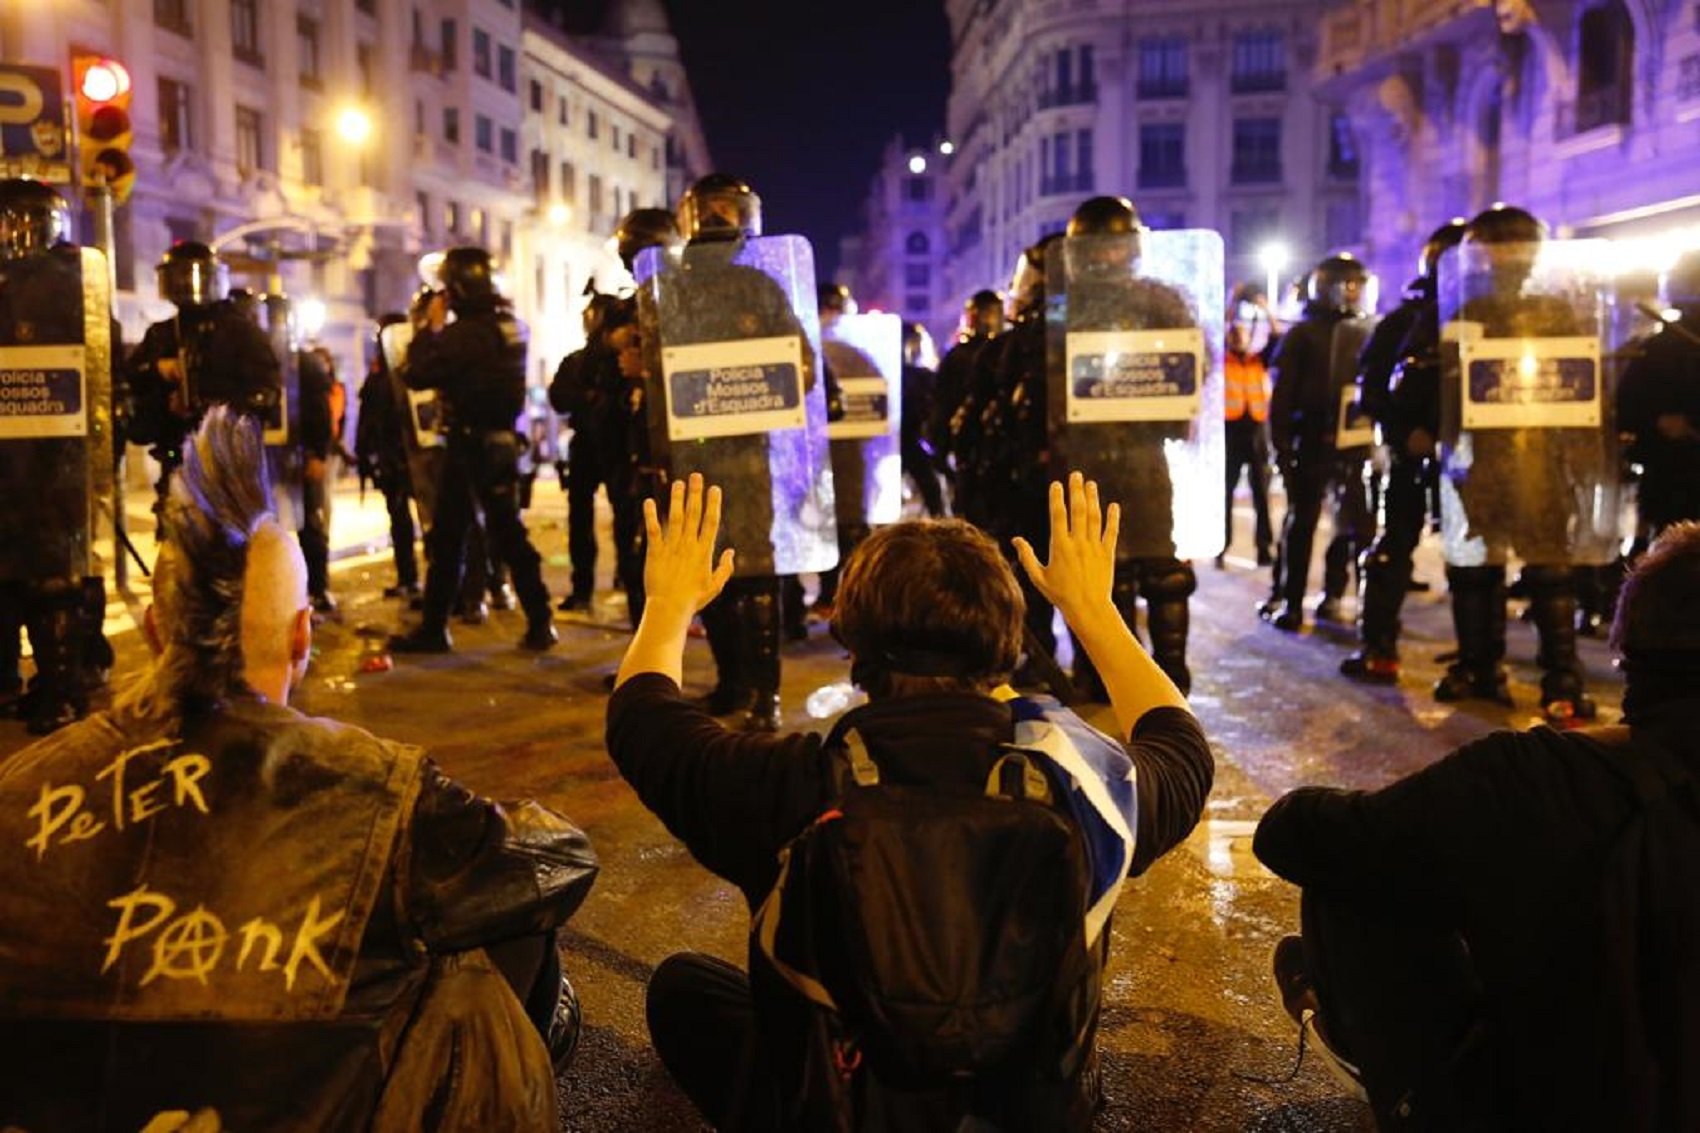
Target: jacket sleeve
[(1174, 770), (733, 798), (565, 395), (315, 415), (440, 360), (1284, 371), (261, 373), (479, 871)]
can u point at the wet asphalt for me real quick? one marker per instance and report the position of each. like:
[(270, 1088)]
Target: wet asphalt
[(1193, 1035)]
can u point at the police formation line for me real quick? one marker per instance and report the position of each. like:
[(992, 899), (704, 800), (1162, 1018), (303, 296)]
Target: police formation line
[(372, 936)]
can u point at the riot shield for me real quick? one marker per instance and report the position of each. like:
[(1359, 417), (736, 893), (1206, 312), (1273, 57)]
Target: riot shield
[(1528, 438), (865, 356), (1134, 327), (285, 459), (422, 437), (735, 392), (1354, 428), (56, 447)]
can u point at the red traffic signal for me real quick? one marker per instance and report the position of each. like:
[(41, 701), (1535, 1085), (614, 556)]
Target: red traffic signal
[(104, 129)]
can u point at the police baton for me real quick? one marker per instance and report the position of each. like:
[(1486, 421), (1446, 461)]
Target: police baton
[(1668, 324)]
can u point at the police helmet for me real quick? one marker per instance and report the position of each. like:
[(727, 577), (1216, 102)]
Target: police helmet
[(835, 299), (1027, 281), (983, 313), (918, 348), (33, 218), (1505, 224), (1337, 282), (719, 207), (247, 303), (1104, 216), (1502, 244), (469, 277), (645, 228), (190, 275), (1447, 236)]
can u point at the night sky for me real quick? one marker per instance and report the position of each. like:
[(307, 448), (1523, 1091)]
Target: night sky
[(799, 97)]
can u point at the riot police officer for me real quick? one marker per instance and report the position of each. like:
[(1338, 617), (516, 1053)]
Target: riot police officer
[(1399, 386), (585, 383), (1304, 416), (477, 366), (58, 470), (209, 353), (1528, 487), (1105, 286), (1659, 407), (982, 321)]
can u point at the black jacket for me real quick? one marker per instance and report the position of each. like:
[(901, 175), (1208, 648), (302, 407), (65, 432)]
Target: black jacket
[(1303, 410), (477, 364)]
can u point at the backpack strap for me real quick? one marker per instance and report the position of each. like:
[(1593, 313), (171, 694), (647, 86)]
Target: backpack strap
[(765, 925)]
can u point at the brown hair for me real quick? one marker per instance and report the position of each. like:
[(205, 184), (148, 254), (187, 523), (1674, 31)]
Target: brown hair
[(929, 599), (1659, 609)]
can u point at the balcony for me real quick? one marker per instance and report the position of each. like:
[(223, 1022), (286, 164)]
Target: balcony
[(422, 60), (1154, 90), (1162, 177), (1082, 182), (1354, 36), (1258, 82), (1082, 94), (1609, 106)]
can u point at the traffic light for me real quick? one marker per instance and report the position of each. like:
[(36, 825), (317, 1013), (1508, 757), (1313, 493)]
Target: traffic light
[(102, 89)]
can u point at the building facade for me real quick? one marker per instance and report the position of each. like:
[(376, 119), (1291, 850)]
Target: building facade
[(896, 262), (1200, 111), (1583, 111), (243, 139)]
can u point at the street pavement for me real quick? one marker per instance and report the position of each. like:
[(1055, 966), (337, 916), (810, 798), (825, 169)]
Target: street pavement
[(1193, 1035)]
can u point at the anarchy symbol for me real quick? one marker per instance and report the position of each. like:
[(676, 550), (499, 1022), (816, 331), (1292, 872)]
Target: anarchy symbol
[(189, 947)]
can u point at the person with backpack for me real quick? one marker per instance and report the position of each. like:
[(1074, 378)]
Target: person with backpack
[(1506, 939), (1009, 820)]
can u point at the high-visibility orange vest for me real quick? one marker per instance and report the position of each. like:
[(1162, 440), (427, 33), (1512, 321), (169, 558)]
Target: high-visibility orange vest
[(1245, 387)]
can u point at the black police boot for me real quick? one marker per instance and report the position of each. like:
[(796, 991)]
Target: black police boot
[(1478, 618), (1553, 603), (1288, 617), (1167, 585), (759, 624), (540, 633), (60, 694), (720, 622), (423, 638), (1385, 577), (98, 658)]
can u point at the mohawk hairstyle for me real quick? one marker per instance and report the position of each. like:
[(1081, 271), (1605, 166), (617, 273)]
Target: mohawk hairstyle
[(218, 500)]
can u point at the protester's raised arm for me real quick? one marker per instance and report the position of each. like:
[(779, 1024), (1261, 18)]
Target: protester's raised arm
[(1077, 580), (680, 577)]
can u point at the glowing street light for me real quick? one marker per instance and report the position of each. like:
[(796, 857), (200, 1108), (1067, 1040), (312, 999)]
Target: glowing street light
[(947, 148), (354, 125), (310, 317), (558, 215), (917, 164), (1273, 259)]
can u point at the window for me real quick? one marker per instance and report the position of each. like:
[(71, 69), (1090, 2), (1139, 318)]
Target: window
[(180, 229), (1259, 63), (450, 36), (1688, 77), (1257, 151), (619, 201), (1605, 66), (614, 133), (483, 133), (422, 211), (419, 117), (1162, 67), (307, 51), (916, 305), (1251, 228), (562, 112), (507, 69), (1162, 218), (312, 156), (451, 217), (1162, 155), (451, 125), (917, 189), (509, 146), (594, 189), (478, 224), (569, 182), (590, 125), (655, 157), (1342, 151), (536, 96), (917, 244), (370, 7), (250, 141), (506, 244), (481, 53), (540, 167), (917, 275), (418, 28), (245, 31), (1083, 161), (176, 116), (365, 63), (631, 145), (1088, 78), (1065, 75), (173, 15)]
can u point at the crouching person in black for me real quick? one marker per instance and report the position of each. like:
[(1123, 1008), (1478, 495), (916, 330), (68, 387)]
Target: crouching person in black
[(1506, 940), (217, 906), (852, 1010)]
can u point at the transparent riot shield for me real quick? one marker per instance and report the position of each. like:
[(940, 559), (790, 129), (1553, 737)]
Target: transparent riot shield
[(735, 392), (1528, 438), (421, 437), (285, 459), (56, 448), (1134, 327), (865, 356), (1354, 428)]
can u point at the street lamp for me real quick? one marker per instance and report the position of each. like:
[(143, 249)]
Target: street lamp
[(1272, 258), (558, 215), (310, 315), (947, 147), (917, 164), (354, 125)]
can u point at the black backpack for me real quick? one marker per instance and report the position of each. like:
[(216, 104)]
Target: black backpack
[(929, 943)]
